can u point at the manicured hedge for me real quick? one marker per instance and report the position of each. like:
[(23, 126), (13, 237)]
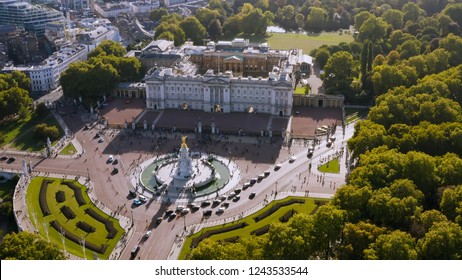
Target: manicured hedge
[(74, 238), (260, 231), (85, 227), (43, 198), (286, 217), (60, 196), (67, 212), (209, 233), (112, 231), (276, 208), (77, 193)]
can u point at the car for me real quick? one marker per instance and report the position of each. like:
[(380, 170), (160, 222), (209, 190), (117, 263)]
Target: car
[(96, 135), (159, 220), (191, 205), (297, 112), (135, 251), (184, 211), (252, 195), (179, 208), (100, 140), (115, 171), (132, 193), (231, 195), (277, 167), (143, 198), (172, 216), (261, 177), (225, 204), (220, 210), (207, 213), (222, 197), (253, 181), (148, 233), (136, 202), (267, 173), (329, 143), (236, 198), (237, 191), (168, 212), (292, 159), (3, 158), (10, 160), (205, 203), (194, 208), (246, 185), (115, 161), (216, 202), (309, 154), (332, 139), (110, 158)]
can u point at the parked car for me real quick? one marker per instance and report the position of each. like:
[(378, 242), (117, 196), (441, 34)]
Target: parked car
[(237, 191), (115, 161), (267, 173), (168, 212), (220, 210), (236, 198), (277, 167), (135, 251), (159, 220), (231, 195), (148, 233), (110, 158), (185, 211), (143, 198), (292, 159), (137, 202), (207, 213), (132, 193), (205, 203), (252, 195)]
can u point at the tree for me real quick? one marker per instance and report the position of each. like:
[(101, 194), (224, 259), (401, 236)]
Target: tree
[(361, 18), (373, 29), (28, 246), (322, 56), (354, 201), (44, 131), (157, 14), (193, 30), (253, 22), (339, 72), (214, 29), (409, 49), (21, 79), (290, 241), (14, 101), (316, 20), (454, 11), (328, 224), (412, 12), (205, 16), (300, 20), (453, 44), (232, 25), (394, 18), (451, 199), (173, 28), (396, 245), (285, 17), (356, 238), (106, 48), (442, 242)]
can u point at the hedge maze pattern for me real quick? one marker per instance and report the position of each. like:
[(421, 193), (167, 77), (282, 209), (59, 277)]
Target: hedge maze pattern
[(60, 197)]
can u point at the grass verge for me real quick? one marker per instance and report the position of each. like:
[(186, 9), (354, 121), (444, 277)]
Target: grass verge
[(332, 166), (68, 150)]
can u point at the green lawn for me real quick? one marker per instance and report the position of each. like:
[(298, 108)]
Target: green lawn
[(308, 207), (98, 237), (300, 90), (68, 150), (20, 132), (332, 166), (306, 42)]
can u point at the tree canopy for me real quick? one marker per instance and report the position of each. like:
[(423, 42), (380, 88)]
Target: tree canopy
[(28, 246)]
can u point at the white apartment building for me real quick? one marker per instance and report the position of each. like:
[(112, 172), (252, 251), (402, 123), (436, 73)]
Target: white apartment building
[(30, 17), (144, 7), (112, 10), (45, 77), (170, 88)]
